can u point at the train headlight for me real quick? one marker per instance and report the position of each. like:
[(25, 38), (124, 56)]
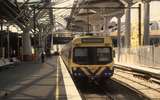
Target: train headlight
[(75, 74), (79, 74), (106, 73), (109, 73), (93, 77)]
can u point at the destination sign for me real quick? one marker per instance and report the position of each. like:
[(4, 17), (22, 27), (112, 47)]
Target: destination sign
[(92, 40)]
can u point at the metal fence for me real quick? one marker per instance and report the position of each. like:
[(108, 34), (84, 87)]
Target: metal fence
[(148, 56)]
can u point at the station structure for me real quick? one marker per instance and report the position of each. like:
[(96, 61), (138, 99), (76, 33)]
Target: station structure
[(29, 19), (30, 27)]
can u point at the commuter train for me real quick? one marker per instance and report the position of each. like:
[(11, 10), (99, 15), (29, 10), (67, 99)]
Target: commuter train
[(89, 57)]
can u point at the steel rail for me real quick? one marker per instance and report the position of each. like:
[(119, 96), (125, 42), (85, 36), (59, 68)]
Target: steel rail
[(103, 89), (130, 87), (149, 73), (138, 83), (85, 7)]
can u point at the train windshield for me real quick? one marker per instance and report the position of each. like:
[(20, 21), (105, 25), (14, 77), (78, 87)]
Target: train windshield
[(92, 55)]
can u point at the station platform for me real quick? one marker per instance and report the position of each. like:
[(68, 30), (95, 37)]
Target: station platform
[(6, 62), (38, 81)]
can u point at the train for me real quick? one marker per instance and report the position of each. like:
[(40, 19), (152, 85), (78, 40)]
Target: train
[(89, 57)]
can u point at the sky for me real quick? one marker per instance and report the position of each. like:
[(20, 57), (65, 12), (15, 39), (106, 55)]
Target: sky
[(155, 13), (154, 10)]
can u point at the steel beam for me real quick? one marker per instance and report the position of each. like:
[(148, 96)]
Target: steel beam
[(119, 36), (146, 22), (85, 7), (128, 26)]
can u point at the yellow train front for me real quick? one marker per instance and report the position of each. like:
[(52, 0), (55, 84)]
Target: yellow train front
[(89, 57)]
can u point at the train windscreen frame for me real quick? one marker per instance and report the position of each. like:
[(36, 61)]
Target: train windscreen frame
[(92, 55)]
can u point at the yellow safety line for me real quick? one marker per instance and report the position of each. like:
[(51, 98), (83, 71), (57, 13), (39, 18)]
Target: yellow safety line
[(57, 82)]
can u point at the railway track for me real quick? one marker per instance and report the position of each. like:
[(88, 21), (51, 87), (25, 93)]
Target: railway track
[(94, 91), (107, 94), (149, 73), (138, 82), (107, 90)]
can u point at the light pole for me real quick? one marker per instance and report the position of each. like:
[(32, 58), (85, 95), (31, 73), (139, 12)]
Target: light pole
[(8, 42), (1, 40), (119, 36)]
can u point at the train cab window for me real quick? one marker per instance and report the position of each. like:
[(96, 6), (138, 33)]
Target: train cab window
[(92, 55), (81, 52), (103, 54), (81, 55)]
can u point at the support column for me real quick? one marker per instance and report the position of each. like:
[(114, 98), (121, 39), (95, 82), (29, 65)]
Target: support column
[(96, 28), (1, 46), (106, 24), (1, 21), (27, 49), (1, 42), (146, 22), (119, 36), (128, 25), (8, 43)]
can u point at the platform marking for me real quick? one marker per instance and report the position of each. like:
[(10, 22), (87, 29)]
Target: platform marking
[(57, 82), (70, 88)]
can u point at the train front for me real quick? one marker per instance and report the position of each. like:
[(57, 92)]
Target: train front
[(93, 60)]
